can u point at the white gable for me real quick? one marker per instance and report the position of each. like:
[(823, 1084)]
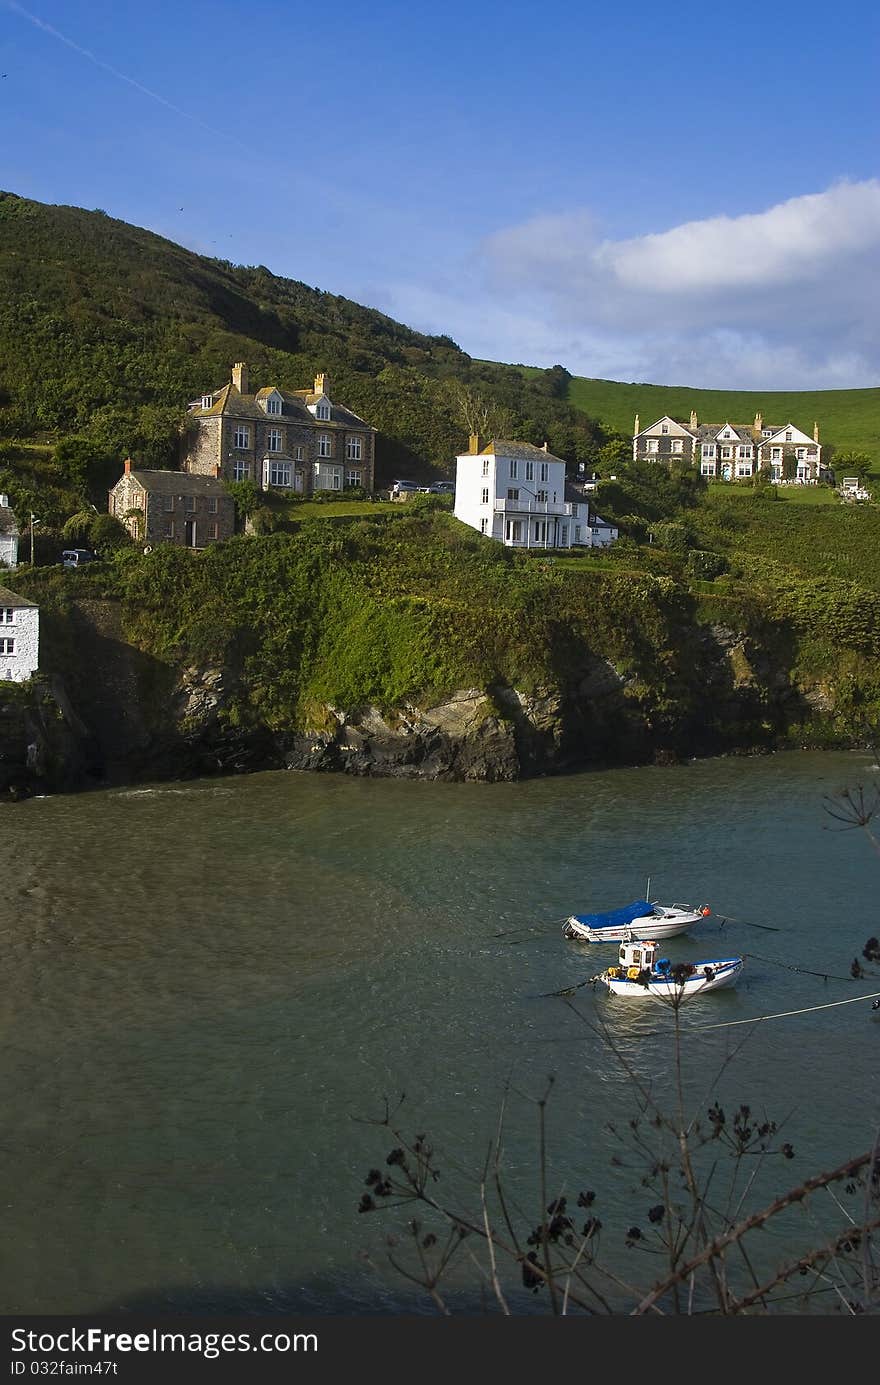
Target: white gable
[(796, 436), (665, 427)]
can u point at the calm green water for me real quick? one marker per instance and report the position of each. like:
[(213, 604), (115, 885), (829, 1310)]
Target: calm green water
[(205, 985)]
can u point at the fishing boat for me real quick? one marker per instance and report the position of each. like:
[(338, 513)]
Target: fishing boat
[(640, 972), (639, 921)]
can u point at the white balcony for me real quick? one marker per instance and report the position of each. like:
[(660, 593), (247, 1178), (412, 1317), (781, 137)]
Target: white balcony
[(526, 505)]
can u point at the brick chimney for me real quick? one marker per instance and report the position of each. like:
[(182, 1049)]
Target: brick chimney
[(544, 448), (636, 429), (759, 422), (127, 465), (240, 376), (322, 384), (815, 432), (693, 419), (475, 444)]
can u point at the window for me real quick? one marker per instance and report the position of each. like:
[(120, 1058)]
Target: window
[(541, 496), (676, 444), (664, 427), (564, 536), (279, 473), (484, 525), (207, 401), (242, 437), (323, 411), (743, 468), (545, 471), (169, 529), (7, 615), (168, 504), (353, 478), (708, 449), (801, 453), (776, 473), (727, 452), (7, 646), (652, 445), (212, 505), (514, 531), (485, 466), (325, 448), (776, 454), (743, 452), (788, 435), (353, 449), (707, 468), (241, 471), (214, 530), (273, 440), (513, 492), (189, 503), (766, 432), (484, 499), (336, 481), (540, 531), (273, 405), (530, 471), (514, 469), (577, 533)]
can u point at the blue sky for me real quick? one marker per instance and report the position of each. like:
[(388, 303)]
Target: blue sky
[(683, 194)]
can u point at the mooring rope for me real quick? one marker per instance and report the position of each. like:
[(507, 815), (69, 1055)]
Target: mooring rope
[(785, 1014)]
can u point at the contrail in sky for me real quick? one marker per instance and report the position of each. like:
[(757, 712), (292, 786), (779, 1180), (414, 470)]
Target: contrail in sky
[(114, 71)]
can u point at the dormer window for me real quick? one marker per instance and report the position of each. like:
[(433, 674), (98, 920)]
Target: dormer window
[(273, 404), (207, 401), (323, 410)]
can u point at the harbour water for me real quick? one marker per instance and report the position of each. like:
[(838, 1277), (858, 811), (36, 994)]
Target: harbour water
[(211, 987)]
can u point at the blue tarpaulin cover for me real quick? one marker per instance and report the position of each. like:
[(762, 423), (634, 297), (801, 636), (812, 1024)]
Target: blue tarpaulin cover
[(616, 918)]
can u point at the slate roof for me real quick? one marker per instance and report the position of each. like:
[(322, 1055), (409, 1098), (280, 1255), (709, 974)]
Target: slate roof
[(526, 451), (178, 483), (8, 598), (230, 402)]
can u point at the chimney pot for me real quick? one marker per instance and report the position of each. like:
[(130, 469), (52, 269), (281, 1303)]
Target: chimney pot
[(322, 384), (693, 419)]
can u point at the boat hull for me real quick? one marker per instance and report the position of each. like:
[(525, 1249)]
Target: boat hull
[(709, 975), (672, 922)]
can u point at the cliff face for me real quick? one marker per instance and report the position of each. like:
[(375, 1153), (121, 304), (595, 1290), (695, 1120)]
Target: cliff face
[(120, 717)]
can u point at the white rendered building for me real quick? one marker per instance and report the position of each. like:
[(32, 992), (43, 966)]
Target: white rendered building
[(8, 535), (19, 637), (517, 493)]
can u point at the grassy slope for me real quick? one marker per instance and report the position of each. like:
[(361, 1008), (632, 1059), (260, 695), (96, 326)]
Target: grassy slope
[(849, 419)]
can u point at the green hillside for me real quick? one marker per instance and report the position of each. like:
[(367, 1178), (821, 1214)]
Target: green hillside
[(848, 419), (108, 331)]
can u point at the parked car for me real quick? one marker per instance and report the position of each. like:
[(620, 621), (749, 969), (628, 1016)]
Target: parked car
[(398, 487), (442, 488), (78, 557)]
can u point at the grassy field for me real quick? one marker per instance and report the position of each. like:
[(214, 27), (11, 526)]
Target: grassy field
[(849, 419), (793, 495)]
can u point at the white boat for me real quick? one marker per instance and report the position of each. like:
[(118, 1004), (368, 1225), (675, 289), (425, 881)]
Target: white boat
[(639, 972), (639, 921)]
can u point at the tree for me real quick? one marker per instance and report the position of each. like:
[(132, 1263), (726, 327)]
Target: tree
[(853, 464)]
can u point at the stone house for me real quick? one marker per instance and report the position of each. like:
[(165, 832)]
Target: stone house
[(517, 493), (19, 637), (297, 440), (9, 534), (733, 451), (173, 507)]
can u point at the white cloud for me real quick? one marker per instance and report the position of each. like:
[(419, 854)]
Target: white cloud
[(784, 298)]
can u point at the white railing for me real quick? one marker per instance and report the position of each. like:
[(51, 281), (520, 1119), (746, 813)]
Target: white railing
[(529, 506)]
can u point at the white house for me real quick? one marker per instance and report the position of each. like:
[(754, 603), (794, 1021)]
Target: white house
[(8, 534), (19, 637), (517, 493)]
